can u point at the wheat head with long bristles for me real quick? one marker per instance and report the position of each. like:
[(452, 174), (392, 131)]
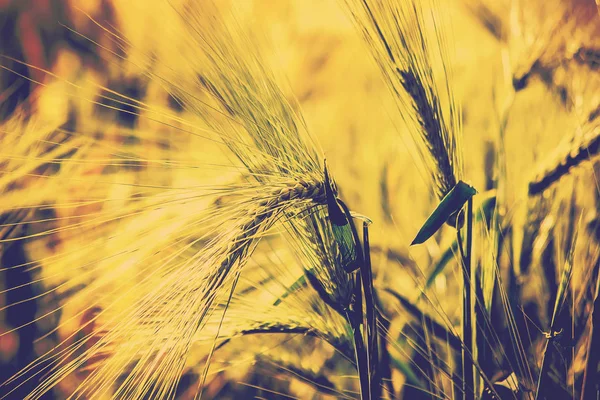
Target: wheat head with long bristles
[(405, 53), (200, 258)]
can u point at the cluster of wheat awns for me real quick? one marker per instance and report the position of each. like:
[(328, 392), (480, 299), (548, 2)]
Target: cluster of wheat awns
[(159, 271)]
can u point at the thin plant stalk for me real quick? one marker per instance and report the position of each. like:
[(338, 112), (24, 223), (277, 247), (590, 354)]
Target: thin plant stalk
[(385, 360), (552, 335), (355, 318), (467, 334), (545, 365), (590, 377), (363, 325), (371, 317)]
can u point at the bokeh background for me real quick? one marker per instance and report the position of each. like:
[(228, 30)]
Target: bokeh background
[(525, 74)]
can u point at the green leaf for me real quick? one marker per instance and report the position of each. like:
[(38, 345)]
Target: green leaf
[(300, 283), (335, 212), (407, 371), (483, 213), (347, 246), (343, 228), (446, 257), (448, 207)]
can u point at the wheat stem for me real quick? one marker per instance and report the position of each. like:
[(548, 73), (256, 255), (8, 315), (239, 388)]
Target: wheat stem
[(558, 303), (467, 334), (437, 329), (385, 362), (405, 53), (590, 377), (355, 318), (371, 317)]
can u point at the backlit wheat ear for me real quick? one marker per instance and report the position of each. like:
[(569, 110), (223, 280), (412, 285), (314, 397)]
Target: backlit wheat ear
[(318, 321), (148, 340), (259, 310), (267, 208), (256, 115), (407, 54), (406, 41), (564, 158), (194, 262)]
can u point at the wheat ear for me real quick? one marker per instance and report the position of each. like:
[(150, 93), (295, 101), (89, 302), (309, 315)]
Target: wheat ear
[(267, 207), (558, 166), (152, 336), (406, 54)]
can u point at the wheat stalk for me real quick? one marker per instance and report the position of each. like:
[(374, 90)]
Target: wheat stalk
[(561, 296), (589, 390)]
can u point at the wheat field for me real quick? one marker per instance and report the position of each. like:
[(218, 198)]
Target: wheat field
[(299, 199)]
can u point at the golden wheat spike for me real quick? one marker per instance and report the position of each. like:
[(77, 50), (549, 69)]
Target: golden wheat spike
[(168, 312), (414, 63), (156, 287), (563, 159)]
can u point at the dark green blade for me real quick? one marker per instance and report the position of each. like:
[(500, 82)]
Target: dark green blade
[(448, 207), (336, 214), (300, 283)]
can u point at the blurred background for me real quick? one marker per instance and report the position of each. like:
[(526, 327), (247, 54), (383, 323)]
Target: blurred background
[(525, 74)]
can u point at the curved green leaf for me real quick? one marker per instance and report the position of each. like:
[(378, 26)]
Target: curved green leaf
[(448, 207)]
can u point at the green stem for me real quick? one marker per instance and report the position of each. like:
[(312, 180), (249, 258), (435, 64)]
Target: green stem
[(385, 362), (365, 353), (543, 369), (355, 318), (467, 353), (371, 318), (590, 376)]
